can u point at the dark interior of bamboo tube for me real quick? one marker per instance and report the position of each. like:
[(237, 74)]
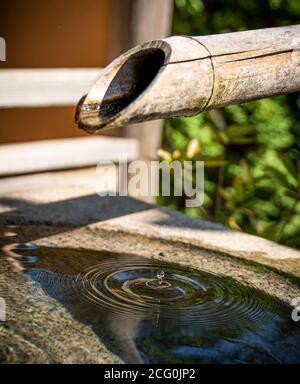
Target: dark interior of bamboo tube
[(131, 80)]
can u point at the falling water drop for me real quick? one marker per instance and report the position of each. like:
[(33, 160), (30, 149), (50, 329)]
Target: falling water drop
[(160, 275)]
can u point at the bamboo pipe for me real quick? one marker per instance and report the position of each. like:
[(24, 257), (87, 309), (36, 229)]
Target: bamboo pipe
[(182, 76)]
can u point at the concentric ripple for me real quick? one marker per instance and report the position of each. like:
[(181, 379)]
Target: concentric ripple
[(141, 288), (131, 288)]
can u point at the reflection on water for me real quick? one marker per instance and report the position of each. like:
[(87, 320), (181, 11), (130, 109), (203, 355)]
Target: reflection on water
[(150, 311)]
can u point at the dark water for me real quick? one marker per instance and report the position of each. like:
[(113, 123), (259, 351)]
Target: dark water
[(151, 311)]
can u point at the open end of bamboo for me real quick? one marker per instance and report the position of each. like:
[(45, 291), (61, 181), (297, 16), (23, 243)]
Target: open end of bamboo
[(131, 80), (128, 83)]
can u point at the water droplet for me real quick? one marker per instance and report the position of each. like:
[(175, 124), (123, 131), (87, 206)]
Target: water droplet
[(160, 275)]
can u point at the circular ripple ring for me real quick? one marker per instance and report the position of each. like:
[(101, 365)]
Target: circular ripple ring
[(130, 288)]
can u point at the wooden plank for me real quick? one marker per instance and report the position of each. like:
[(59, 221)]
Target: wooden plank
[(62, 154), (151, 20), (45, 87)]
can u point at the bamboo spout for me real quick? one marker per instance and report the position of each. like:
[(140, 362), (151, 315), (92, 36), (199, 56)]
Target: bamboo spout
[(182, 76)]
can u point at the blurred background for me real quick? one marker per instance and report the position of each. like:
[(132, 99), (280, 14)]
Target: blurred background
[(251, 151)]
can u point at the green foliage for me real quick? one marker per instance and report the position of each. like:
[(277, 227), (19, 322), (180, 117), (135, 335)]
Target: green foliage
[(251, 151)]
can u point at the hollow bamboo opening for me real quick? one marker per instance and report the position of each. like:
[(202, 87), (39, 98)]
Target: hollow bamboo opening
[(131, 80)]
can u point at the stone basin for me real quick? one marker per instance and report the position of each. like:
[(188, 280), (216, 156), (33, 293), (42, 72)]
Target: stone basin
[(62, 209)]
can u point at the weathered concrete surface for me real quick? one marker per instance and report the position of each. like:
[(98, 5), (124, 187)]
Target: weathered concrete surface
[(40, 330), (69, 199), (63, 208)]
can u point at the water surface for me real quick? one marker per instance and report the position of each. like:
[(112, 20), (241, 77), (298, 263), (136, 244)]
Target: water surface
[(149, 311)]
